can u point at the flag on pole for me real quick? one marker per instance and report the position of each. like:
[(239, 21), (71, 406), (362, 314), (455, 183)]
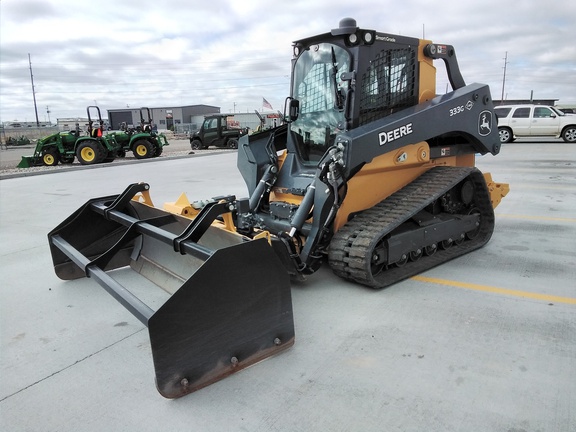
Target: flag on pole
[(266, 104)]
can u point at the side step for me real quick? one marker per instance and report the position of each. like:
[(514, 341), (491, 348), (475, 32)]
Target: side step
[(231, 303)]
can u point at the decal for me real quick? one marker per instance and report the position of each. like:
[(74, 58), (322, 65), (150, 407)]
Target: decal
[(485, 123), (456, 110), (385, 38), (442, 49), (460, 108), (394, 134)]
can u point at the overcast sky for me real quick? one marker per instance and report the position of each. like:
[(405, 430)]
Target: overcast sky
[(231, 54)]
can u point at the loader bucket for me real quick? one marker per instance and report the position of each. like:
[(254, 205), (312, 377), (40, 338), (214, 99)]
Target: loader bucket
[(230, 304), (28, 161)]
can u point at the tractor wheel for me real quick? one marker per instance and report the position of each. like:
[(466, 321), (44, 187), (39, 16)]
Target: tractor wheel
[(159, 150), (50, 157), (196, 144), (142, 149), (90, 153), (232, 143)]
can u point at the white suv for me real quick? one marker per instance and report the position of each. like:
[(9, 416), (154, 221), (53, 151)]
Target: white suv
[(534, 120)]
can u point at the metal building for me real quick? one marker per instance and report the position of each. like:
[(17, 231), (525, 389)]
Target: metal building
[(165, 118)]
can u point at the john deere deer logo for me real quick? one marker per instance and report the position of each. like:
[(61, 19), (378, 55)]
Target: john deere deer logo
[(485, 123)]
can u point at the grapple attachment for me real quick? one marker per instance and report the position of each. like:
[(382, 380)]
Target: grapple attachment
[(230, 303)]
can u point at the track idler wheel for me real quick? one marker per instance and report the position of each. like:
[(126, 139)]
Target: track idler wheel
[(445, 244), (416, 255), (431, 250), (402, 261), (471, 235)]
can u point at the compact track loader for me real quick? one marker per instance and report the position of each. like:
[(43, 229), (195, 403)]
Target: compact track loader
[(373, 175)]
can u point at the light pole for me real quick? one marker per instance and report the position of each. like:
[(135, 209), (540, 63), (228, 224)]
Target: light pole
[(504, 77), (33, 92)]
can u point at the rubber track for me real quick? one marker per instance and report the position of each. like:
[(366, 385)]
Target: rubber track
[(351, 247)]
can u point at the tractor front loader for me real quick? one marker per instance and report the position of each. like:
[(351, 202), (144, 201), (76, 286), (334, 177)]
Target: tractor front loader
[(54, 148), (372, 174), (63, 147)]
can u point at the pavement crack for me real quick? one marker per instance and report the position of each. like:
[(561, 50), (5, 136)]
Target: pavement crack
[(70, 365)]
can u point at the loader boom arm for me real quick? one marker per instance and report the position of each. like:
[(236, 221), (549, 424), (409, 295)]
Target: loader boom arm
[(465, 114)]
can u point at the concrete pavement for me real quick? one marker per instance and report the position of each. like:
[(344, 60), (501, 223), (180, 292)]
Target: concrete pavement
[(486, 342)]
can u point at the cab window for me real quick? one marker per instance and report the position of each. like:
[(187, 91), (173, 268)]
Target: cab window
[(211, 123), (502, 112), (521, 113), (542, 112)]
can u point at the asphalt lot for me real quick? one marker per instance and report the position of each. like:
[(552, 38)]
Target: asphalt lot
[(486, 342)]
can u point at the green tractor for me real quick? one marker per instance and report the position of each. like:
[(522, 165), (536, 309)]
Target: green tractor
[(58, 147), (63, 147), (143, 141)]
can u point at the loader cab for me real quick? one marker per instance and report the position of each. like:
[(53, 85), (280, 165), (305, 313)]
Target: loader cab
[(345, 79), (343, 83)]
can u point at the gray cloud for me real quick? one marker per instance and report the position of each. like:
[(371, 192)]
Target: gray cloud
[(231, 54), (29, 11)]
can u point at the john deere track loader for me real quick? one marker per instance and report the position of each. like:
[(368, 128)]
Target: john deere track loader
[(373, 175)]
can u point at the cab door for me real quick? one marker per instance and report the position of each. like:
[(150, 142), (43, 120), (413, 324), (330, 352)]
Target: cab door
[(210, 131), (544, 122)]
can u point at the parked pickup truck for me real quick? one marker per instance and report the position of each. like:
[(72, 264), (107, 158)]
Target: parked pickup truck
[(534, 120), (217, 130)]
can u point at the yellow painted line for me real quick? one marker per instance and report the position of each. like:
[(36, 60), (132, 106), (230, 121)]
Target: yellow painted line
[(554, 219), (491, 289)]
